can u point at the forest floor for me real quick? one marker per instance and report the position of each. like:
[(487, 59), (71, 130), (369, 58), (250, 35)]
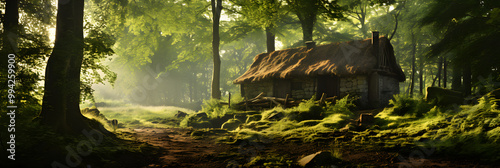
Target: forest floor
[(181, 150), (425, 136)]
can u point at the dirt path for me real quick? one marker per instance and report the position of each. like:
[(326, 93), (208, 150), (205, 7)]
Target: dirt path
[(181, 149)]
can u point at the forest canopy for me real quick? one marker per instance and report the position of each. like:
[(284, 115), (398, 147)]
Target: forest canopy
[(159, 52)]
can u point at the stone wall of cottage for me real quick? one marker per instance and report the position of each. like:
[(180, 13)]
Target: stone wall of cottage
[(303, 88), (355, 86), (389, 86), (255, 88)]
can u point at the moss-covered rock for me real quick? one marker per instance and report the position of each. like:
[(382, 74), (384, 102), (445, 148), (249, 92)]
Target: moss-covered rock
[(231, 124), (255, 117)]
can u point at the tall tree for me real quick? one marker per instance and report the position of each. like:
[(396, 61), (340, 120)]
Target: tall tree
[(265, 14), (9, 39), (413, 60), (27, 38), (11, 27), (60, 107), (216, 12), (308, 10), (471, 30)]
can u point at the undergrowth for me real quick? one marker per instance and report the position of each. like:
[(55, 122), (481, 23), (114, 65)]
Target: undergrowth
[(38, 145), (307, 122), (469, 131), (406, 105)]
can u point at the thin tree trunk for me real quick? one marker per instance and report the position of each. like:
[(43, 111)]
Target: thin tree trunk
[(61, 99), (395, 26), (467, 81), (270, 42), (413, 53), (421, 77), (440, 65), (216, 11), (456, 81), (445, 72)]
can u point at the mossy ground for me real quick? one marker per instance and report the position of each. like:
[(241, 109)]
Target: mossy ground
[(407, 126), (404, 133)]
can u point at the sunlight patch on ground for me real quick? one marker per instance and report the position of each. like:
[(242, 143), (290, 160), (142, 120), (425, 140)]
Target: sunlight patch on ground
[(144, 116)]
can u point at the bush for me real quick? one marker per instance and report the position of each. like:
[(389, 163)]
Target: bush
[(342, 106), (214, 109), (406, 105)]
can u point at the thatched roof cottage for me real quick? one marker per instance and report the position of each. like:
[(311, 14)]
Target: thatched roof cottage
[(366, 68)]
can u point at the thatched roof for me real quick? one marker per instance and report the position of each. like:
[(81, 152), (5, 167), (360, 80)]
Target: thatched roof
[(341, 59)]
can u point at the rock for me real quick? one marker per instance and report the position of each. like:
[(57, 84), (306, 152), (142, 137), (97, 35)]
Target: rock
[(276, 116), (202, 115), (114, 124), (310, 122), (320, 159), (91, 111), (345, 129), (365, 119), (231, 124), (444, 97), (181, 114)]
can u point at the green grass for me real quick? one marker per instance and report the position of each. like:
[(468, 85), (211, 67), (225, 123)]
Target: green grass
[(467, 131), (144, 116)]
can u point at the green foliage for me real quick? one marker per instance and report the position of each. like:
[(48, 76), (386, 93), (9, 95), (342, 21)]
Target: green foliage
[(143, 116), (214, 109), (469, 28), (341, 106), (472, 132), (406, 105), (466, 131), (270, 160), (307, 122), (97, 47)]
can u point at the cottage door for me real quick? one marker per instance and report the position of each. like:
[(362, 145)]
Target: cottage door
[(330, 85), (281, 87)]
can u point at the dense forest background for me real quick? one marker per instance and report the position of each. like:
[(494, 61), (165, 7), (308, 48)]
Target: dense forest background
[(160, 52)]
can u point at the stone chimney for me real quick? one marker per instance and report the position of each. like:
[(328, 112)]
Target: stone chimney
[(310, 44), (375, 43)]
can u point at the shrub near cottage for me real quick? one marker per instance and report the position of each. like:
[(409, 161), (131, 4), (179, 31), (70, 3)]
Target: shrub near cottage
[(406, 105)]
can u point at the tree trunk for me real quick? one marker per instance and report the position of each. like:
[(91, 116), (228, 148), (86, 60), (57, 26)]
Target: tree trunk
[(9, 36), (421, 77), (307, 29), (270, 39), (445, 72), (440, 65), (61, 99), (216, 10), (467, 79), (395, 26), (306, 11), (11, 27), (456, 81), (413, 53)]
